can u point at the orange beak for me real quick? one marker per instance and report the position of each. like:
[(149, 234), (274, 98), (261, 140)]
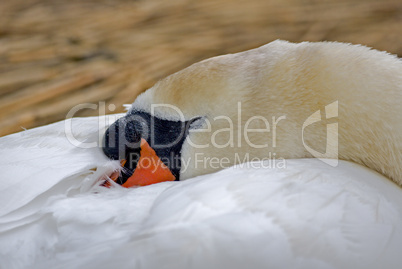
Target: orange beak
[(150, 169)]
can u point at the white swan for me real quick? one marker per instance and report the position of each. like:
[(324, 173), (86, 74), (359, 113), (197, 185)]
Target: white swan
[(325, 99), (305, 215)]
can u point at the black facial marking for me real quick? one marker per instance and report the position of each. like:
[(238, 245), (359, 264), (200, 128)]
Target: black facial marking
[(166, 137), (120, 136)]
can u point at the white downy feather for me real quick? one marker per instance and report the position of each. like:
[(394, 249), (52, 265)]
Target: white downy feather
[(308, 215)]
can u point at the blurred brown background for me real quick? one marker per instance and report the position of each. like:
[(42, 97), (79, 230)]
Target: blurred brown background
[(57, 54)]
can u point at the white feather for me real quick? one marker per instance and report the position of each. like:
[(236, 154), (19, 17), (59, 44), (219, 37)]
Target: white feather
[(308, 215)]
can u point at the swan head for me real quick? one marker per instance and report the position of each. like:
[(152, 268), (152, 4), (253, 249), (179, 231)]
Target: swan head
[(148, 147)]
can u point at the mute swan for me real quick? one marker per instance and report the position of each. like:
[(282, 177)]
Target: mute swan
[(305, 214)]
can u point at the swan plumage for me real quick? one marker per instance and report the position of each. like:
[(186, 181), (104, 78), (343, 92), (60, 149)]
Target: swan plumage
[(308, 215), (282, 85)]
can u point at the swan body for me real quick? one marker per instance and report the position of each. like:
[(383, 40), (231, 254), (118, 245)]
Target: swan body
[(304, 215)]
